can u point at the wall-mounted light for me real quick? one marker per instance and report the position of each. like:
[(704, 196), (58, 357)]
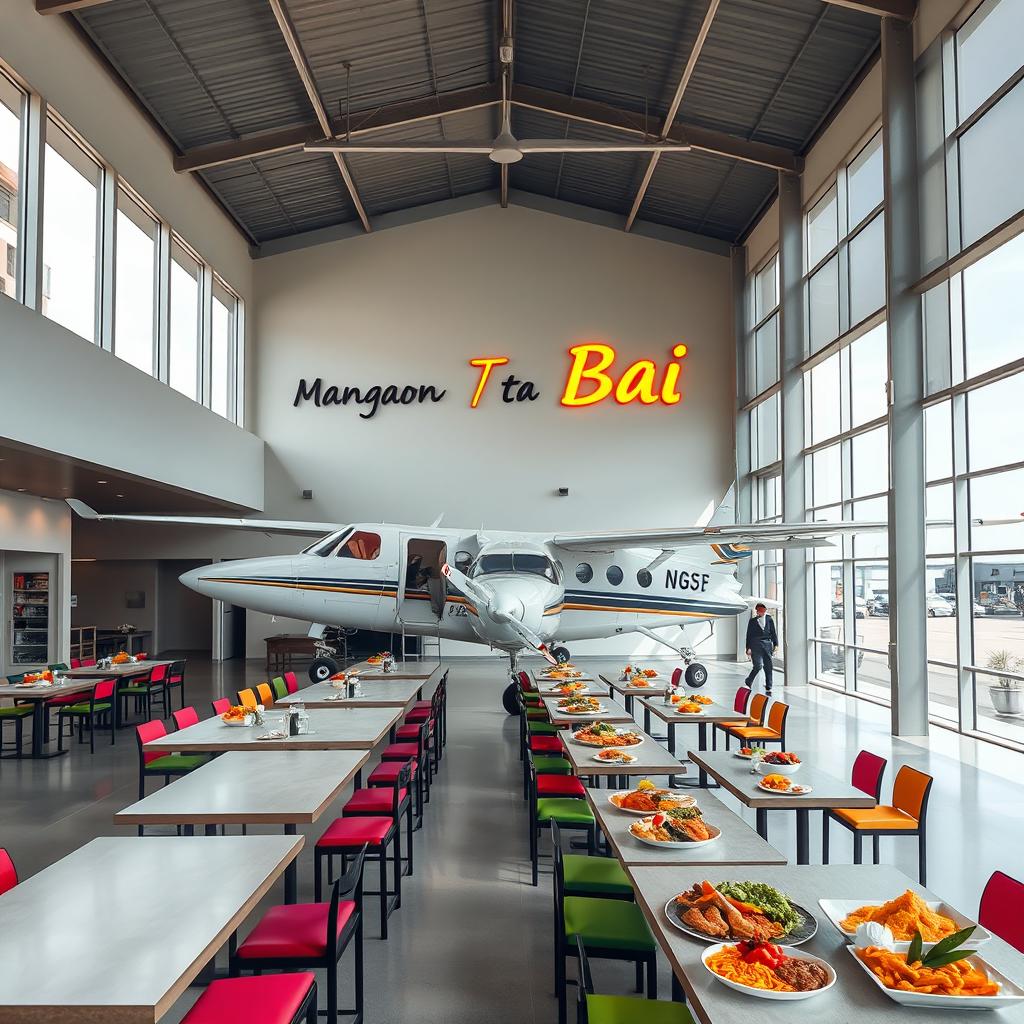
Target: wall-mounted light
[(307, 495), (563, 492)]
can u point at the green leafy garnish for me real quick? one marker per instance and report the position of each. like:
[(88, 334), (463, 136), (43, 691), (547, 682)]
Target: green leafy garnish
[(942, 953)]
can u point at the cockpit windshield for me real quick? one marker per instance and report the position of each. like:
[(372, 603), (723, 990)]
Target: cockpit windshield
[(326, 545), (537, 565)]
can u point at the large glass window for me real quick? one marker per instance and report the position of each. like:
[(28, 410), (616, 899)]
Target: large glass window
[(71, 192), (993, 296), (988, 52), (864, 188), (223, 351), (11, 102), (764, 431), (822, 228), (184, 347), (135, 284), (762, 339)]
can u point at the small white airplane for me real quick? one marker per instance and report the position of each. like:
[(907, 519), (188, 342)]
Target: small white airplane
[(511, 591)]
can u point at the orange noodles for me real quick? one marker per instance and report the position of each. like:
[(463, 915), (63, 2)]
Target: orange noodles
[(728, 963), (903, 916), (956, 979)]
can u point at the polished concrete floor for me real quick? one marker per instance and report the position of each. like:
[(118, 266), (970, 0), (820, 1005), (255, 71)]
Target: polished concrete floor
[(472, 939)]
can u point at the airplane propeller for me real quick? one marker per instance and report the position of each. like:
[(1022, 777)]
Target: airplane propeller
[(486, 599)]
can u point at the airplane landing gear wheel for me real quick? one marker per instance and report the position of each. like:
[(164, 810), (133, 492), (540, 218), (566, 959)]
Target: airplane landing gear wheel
[(322, 669), (508, 699), (696, 675), (560, 654)]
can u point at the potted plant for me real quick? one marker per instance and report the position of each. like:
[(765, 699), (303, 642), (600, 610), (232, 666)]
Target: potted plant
[(1005, 693)]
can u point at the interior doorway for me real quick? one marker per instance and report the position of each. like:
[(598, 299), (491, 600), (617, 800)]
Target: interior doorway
[(422, 587)]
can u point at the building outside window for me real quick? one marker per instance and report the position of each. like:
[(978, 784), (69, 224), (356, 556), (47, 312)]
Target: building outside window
[(183, 373), (11, 102), (71, 190)]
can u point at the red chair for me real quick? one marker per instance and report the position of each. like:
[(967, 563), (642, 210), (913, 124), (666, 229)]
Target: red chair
[(185, 717), (76, 662), (372, 834), (153, 762), (88, 663), (291, 682), (99, 706), (526, 684), (1001, 910), (677, 677), (221, 705), (413, 754), (740, 703), (272, 999), (8, 872), (868, 770), (312, 936), (546, 745), (147, 692)]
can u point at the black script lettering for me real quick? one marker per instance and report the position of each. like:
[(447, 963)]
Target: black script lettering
[(308, 392), (371, 398), (507, 385), (527, 392), (428, 391), (408, 394)]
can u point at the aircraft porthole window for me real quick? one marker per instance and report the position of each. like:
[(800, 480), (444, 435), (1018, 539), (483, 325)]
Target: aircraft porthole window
[(644, 578), (584, 573), (614, 575)]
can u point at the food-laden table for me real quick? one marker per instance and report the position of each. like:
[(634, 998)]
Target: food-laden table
[(651, 758), (402, 670), (334, 729), (611, 713), (738, 843), (853, 1000), (38, 696), (378, 693), (587, 687), (656, 687), (127, 671), (115, 932), (541, 679), (710, 715), (733, 774), (245, 788)]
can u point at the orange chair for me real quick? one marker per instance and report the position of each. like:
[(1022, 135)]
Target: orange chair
[(266, 694), (906, 816), (740, 702), (247, 698), (774, 731), (755, 713)]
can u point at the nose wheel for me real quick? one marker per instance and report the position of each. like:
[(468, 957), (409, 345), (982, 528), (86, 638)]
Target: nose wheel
[(696, 675), (560, 654), (322, 669)]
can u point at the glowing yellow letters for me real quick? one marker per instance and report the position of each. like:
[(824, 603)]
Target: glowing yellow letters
[(590, 364)]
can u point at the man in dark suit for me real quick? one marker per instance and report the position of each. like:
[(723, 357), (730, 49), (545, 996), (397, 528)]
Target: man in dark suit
[(762, 643)]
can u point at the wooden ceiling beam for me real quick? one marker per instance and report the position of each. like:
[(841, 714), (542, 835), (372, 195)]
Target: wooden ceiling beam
[(65, 6), (903, 10)]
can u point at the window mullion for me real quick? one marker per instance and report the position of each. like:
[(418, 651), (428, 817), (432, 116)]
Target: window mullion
[(30, 247), (204, 386), (162, 306), (106, 251)]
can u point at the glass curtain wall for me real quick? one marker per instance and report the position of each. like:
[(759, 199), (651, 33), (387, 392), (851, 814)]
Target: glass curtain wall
[(12, 101)]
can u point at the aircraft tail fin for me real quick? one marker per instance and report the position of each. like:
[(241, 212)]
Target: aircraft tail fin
[(725, 514)]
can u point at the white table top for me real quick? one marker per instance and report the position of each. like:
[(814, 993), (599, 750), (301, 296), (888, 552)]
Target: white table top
[(334, 729), (853, 999), (116, 931), (651, 758), (133, 668), (376, 693), (612, 713), (711, 713), (402, 670), (733, 774), (548, 688), (738, 843), (541, 679), (657, 685), (46, 692), (244, 787)]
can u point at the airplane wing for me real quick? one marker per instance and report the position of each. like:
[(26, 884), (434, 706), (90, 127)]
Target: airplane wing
[(267, 525), (742, 536)]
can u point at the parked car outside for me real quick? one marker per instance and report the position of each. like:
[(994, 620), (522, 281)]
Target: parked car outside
[(937, 606)]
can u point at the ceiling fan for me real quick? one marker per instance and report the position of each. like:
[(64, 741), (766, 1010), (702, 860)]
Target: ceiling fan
[(504, 148)]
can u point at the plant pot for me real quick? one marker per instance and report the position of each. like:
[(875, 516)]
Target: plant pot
[(1006, 700)]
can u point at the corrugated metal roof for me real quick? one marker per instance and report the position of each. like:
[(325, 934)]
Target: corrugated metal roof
[(213, 72)]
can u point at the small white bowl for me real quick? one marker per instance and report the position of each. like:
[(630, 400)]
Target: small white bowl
[(243, 724), (766, 768)]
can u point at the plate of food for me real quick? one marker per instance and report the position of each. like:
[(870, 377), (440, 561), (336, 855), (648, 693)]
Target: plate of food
[(904, 916), (678, 829), (603, 734), (768, 971), (238, 715), (689, 707), (613, 756), (943, 977), (779, 762), (738, 911), (581, 706), (647, 798), (566, 689), (782, 785), (749, 753)]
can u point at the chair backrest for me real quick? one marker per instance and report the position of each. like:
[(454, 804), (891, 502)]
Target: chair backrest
[(677, 676), (280, 690), (559, 871), (266, 694), (157, 674), (88, 663), (248, 699), (76, 662), (741, 700), (586, 983), (910, 792), (524, 683), (349, 887), (291, 682), (402, 780), (16, 678), (176, 671), (758, 703), (57, 666), (221, 705), (185, 717), (8, 873), (868, 770), (1001, 910), (147, 732), (777, 716), (104, 689)]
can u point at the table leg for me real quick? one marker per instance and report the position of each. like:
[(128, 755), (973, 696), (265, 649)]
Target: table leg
[(678, 996), (36, 751), (803, 845), (291, 873), (761, 821), (702, 744), (628, 701), (647, 720)]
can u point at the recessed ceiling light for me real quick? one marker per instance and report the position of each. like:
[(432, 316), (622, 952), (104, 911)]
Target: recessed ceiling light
[(119, 495), (101, 481), (21, 490)]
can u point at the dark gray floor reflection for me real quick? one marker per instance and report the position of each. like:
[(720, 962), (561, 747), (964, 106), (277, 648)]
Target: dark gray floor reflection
[(472, 941)]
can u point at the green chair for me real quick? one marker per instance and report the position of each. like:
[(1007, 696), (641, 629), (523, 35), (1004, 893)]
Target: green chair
[(595, 876), (610, 929), (280, 687), (97, 710), (551, 812), (16, 678), (58, 666), (593, 1009), (17, 716), (546, 765), (152, 762)]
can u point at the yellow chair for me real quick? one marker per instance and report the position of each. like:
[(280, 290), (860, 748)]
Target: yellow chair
[(247, 698), (773, 732), (266, 694), (758, 706), (905, 817)]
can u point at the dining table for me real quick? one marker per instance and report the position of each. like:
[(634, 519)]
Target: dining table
[(733, 773), (540, 677), (245, 788), (584, 687), (129, 670), (610, 712), (401, 670), (115, 932), (854, 999), (376, 693), (627, 688), (333, 729), (650, 758), (37, 695), (737, 842)]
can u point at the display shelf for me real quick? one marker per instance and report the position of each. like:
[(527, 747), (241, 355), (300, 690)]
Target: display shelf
[(30, 618)]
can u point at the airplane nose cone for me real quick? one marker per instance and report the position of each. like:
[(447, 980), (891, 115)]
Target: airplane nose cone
[(509, 608), (191, 578)]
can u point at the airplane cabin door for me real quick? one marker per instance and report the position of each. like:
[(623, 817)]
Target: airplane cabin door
[(422, 590)]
